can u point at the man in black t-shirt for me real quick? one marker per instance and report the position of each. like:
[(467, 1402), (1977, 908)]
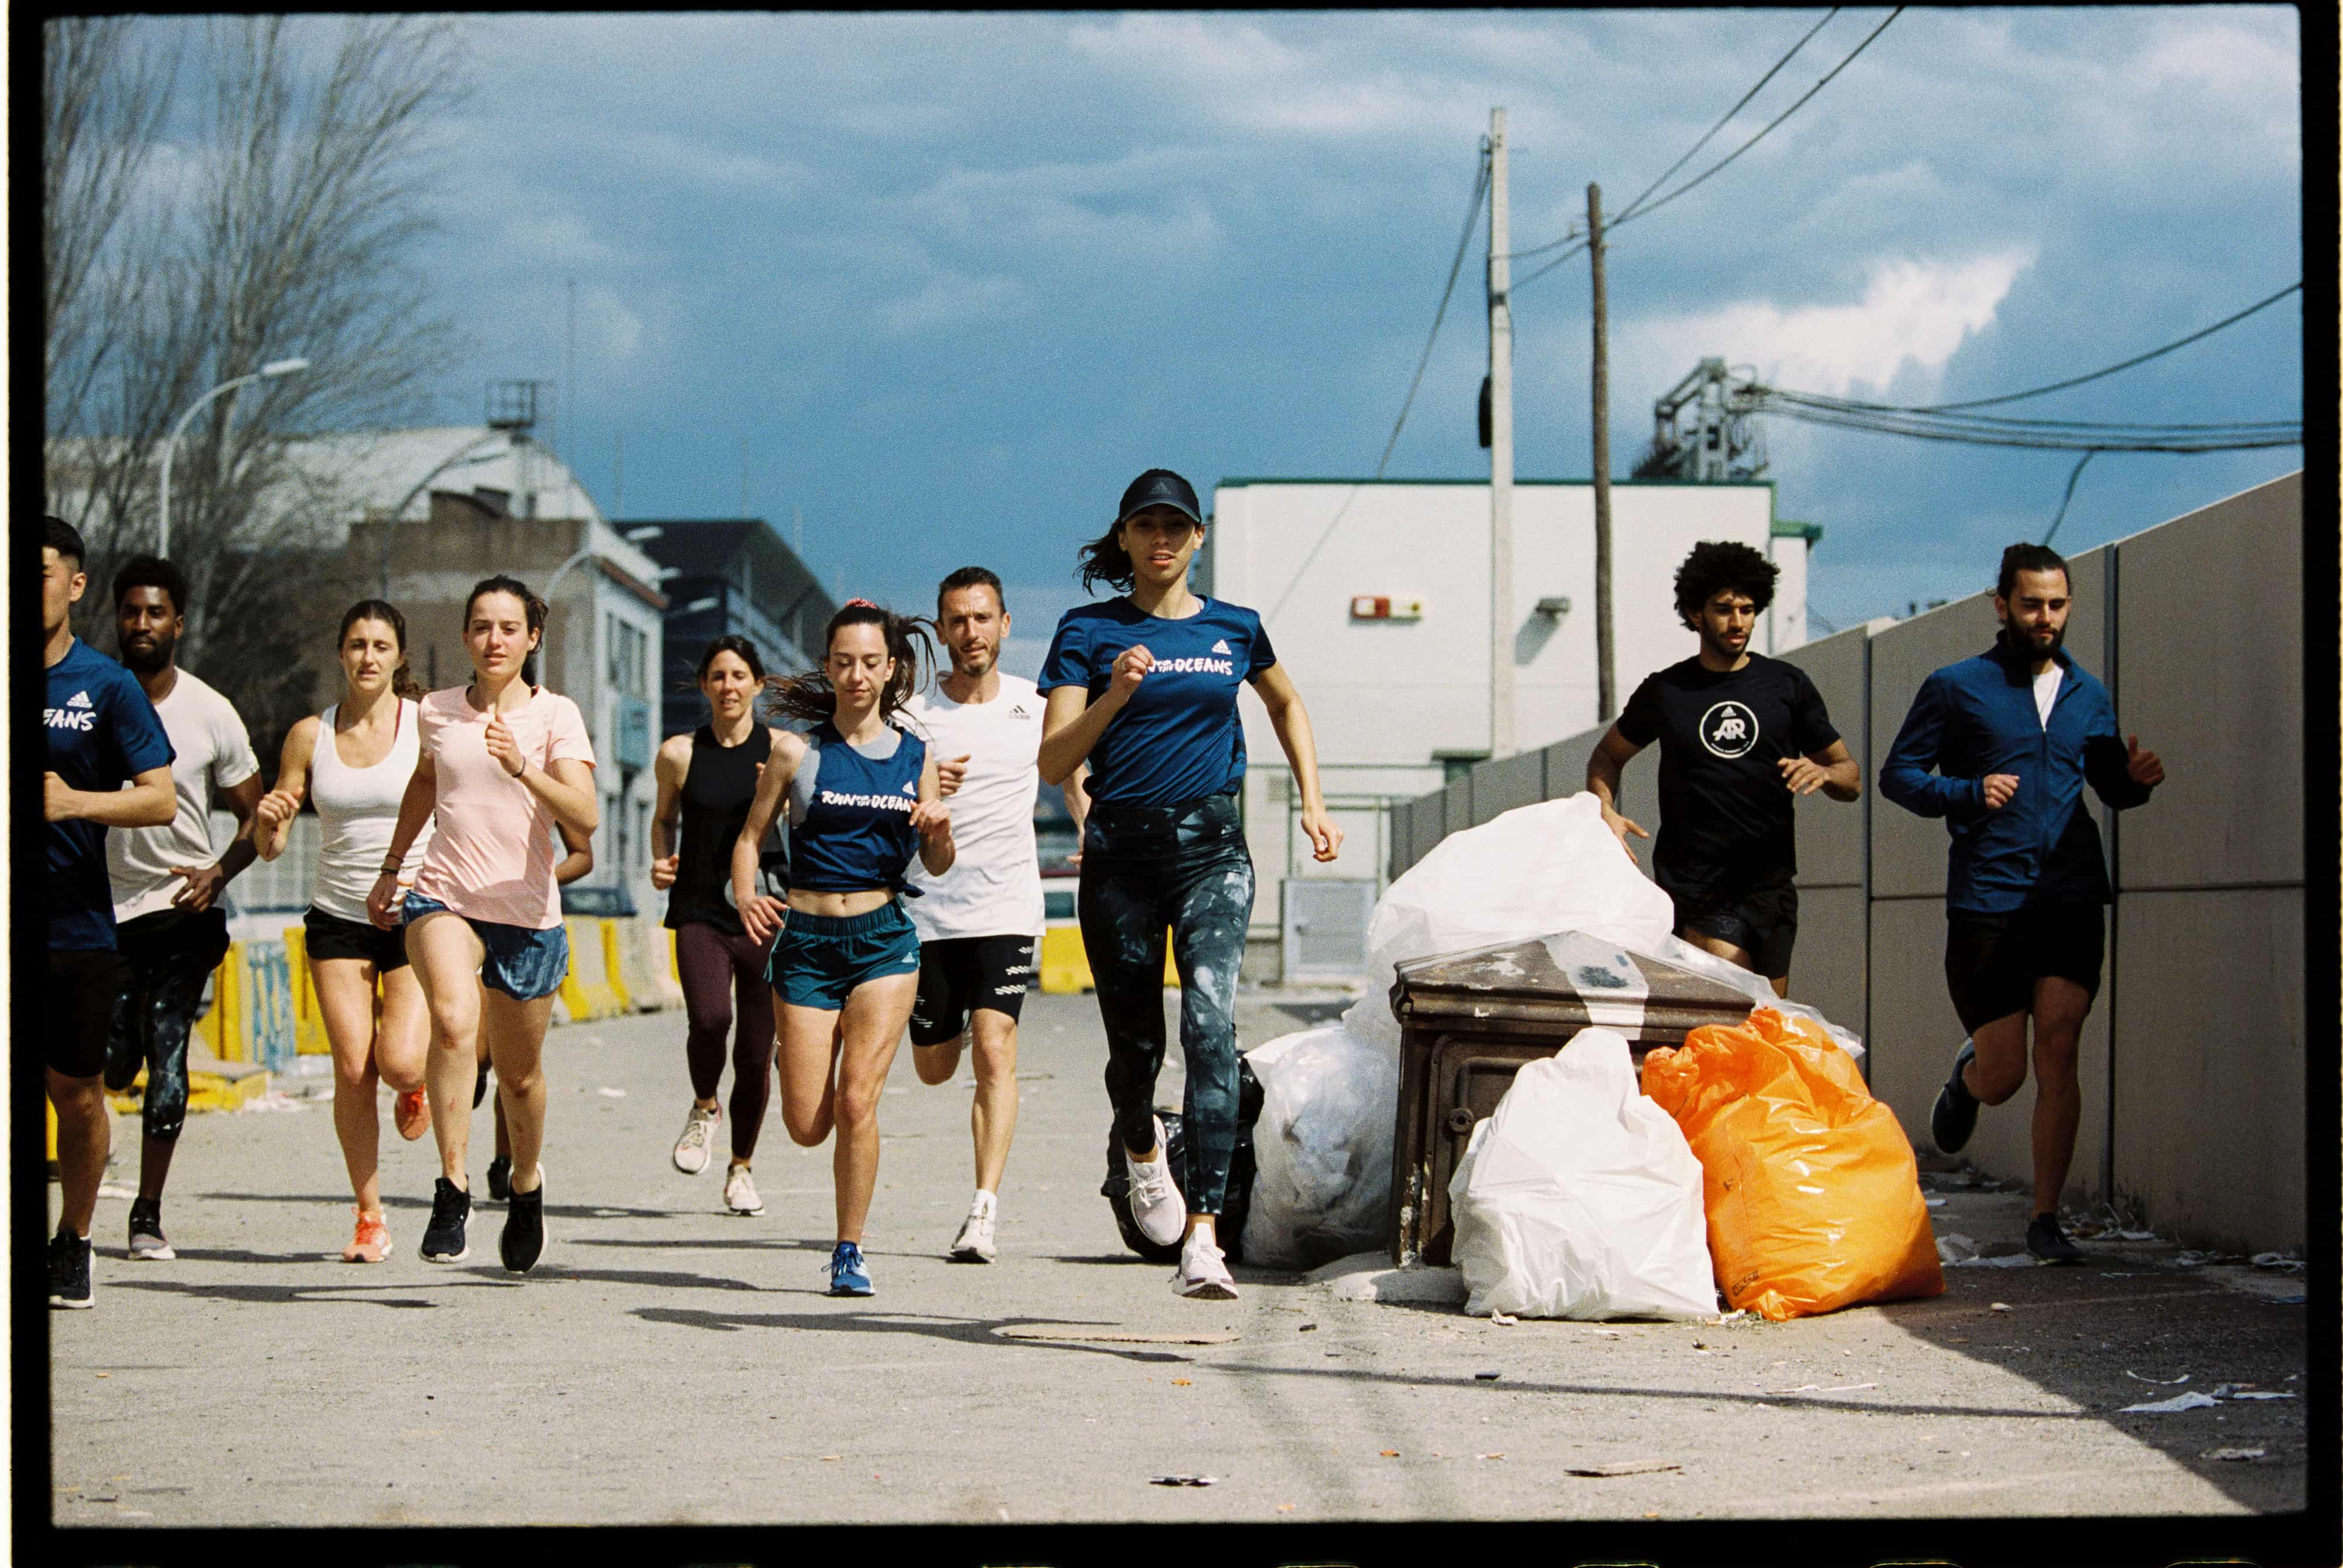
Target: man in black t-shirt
[(1740, 736)]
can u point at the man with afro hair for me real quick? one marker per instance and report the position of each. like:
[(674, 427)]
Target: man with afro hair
[(1741, 737)]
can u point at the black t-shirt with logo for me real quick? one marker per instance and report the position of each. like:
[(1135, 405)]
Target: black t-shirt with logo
[(1724, 811)]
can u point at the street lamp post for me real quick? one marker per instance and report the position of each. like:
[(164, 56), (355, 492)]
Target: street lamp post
[(171, 447)]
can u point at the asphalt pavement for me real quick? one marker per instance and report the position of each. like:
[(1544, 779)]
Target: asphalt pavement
[(669, 1362)]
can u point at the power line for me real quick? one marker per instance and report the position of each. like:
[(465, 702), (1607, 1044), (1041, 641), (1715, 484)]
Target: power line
[(1718, 167), (2135, 360), (1456, 267), (1463, 243), (1628, 211), (1574, 230)]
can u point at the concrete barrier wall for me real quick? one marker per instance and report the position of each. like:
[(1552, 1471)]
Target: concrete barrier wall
[(2192, 1060)]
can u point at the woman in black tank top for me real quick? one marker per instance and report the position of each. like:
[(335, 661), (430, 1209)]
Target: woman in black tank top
[(709, 777)]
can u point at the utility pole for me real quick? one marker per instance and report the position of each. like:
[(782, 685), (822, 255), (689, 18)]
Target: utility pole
[(1501, 450), (1605, 690)]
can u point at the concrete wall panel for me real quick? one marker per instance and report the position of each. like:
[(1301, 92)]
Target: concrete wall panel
[(1915, 1032), (1399, 853), (2212, 682), (2209, 1073), (1827, 966), (1457, 808), (1830, 832), (1500, 786), (1907, 852), (1430, 825)]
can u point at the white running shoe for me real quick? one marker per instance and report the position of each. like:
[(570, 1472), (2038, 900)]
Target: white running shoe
[(741, 1193), (699, 1132), (1156, 1206), (1203, 1274), (974, 1242)]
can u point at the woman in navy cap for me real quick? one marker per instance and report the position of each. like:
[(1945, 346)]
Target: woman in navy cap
[(1143, 687)]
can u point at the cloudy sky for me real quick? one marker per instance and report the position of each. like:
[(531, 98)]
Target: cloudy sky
[(954, 280)]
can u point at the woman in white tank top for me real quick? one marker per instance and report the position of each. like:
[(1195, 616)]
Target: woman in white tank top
[(354, 761)]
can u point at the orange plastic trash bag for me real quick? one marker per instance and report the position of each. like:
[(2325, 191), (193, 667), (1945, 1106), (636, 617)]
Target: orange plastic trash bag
[(1813, 1199)]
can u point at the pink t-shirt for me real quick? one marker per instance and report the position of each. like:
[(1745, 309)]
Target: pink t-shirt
[(492, 847)]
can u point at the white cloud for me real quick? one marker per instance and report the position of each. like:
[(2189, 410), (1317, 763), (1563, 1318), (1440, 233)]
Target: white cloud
[(1912, 313), (952, 300), (614, 331), (559, 238)]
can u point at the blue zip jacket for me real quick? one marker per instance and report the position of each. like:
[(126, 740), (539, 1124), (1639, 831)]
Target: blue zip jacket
[(1978, 717)]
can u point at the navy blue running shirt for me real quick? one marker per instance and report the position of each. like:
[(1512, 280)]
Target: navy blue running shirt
[(850, 813), (102, 734), (1178, 738)]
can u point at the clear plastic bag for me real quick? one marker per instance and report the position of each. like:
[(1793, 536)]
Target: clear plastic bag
[(1322, 1148), (1531, 872), (1579, 1198)]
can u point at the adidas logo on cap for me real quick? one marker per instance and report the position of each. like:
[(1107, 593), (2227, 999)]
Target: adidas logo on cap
[(80, 699), (1220, 647)]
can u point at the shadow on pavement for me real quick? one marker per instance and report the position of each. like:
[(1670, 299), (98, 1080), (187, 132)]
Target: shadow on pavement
[(423, 1205), (961, 1331)]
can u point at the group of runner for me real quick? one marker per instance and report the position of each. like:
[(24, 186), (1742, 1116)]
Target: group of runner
[(913, 892), (436, 943), (2000, 745)]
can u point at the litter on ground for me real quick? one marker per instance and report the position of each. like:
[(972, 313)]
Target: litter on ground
[(2159, 1381), (2169, 1406), (1624, 1467)]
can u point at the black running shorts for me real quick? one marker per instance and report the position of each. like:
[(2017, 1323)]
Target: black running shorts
[(87, 986), (1762, 922), (326, 936), (960, 974), (1991, 961)]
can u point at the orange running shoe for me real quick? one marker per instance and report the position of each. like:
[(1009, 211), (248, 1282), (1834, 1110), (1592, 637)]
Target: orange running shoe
[(411, 1114), (372, 1243)]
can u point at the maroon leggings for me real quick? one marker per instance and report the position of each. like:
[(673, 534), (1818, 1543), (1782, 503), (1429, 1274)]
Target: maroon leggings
[(715, 969)]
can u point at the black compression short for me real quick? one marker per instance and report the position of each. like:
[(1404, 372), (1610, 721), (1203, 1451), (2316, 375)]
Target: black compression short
[(960, 974)]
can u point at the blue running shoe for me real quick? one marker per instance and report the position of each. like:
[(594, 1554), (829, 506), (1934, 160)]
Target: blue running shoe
[(849, 1274)]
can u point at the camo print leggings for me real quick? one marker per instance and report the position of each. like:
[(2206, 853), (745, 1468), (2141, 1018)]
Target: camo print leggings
[(171, 954), (1184, 867)]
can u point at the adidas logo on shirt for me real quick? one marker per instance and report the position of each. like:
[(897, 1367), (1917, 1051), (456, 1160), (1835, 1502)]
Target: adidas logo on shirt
[(911, 789), (79, 713), (1220, 647), (80, 699)]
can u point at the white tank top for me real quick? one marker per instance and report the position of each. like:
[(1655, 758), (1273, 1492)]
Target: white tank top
[(357, 810)]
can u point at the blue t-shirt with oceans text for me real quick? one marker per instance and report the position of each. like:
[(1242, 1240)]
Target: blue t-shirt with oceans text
[(102, 734), (1178, 738)]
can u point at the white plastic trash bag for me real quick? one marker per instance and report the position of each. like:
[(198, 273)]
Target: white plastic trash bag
[(1579, 1197), (1533, 872), (1322, 1148)]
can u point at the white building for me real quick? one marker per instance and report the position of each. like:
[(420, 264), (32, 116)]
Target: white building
[(417, 517), (1400, 702)]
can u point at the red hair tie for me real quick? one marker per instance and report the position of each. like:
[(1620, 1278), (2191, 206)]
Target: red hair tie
[(860, 604)]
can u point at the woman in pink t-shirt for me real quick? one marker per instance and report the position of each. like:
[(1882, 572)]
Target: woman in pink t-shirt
[(503, 763)]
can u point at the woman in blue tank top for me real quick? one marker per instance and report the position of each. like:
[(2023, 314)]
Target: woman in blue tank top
[(1144, 687), (863, 798)]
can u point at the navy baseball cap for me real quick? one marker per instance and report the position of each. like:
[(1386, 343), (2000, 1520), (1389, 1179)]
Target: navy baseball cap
[(1160, 488)]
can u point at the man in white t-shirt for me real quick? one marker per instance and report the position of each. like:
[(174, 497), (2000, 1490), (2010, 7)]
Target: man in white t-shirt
[(170, 924), (980, 923)]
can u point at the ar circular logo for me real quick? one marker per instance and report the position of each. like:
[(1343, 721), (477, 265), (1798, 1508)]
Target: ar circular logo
[(1729, 730)]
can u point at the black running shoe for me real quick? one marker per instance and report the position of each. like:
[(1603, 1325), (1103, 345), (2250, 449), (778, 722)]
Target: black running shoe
[(523, 1241), (69, 1283), (1953, 1117), (2047, 1241), (500, 1178), (443, 1239), (147, 1238)]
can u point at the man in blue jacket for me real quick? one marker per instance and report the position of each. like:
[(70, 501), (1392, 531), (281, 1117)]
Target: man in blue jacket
[(2000, 746)]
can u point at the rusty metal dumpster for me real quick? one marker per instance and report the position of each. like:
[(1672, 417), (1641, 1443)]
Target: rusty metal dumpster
[(1469, 1021)]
